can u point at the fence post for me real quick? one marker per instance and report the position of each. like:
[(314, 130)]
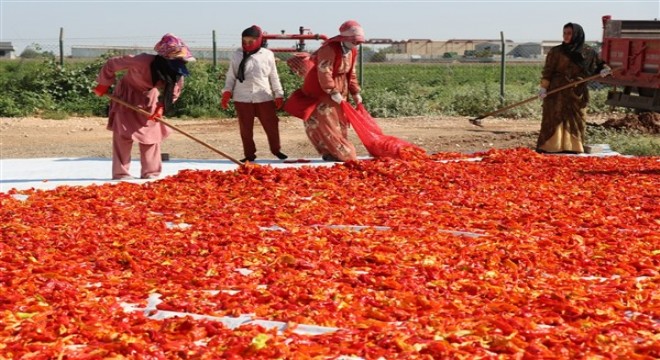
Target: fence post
[(502, 69), (215, 52), (360, 61), (62, 47)]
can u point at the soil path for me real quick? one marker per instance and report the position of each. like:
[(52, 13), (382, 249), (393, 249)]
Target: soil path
[(87, 137)]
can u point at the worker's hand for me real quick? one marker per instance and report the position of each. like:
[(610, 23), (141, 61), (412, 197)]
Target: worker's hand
[(605, 72), (226, 96), (279, 102), (157, 114), (543, 92), (336, 97), (357, 98), (101, 90)]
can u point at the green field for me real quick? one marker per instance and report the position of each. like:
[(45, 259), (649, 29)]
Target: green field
[(41, 87)]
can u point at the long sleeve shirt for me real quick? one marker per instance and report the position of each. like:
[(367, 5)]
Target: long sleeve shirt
[(135, 87), (262, 82)]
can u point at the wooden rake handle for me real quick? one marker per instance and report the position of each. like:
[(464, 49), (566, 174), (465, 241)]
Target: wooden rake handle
[(477, 120), (160, 119)]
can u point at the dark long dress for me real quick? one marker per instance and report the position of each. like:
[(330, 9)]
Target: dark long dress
[(563, 124)]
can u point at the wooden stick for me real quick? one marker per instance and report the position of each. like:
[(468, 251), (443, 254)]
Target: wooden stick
[(160, 119), (477, 120)]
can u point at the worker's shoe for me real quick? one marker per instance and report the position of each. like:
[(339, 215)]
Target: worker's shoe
[(328, 157), (248, 158), (280, 155)]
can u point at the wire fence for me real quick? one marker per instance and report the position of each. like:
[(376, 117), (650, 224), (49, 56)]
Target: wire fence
[(397, 52), (207, 46), (399, 77), (218, 47), (218, 50)]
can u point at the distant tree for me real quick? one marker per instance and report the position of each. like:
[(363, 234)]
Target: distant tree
[(483, 53), (381, 55), (368, 53), (29, 53), (35, 51)]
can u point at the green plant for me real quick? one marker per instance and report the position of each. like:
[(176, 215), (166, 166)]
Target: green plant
[(474, 100), (32, 87), (628, 142), (9, 108), (201, 94), (55, 115)]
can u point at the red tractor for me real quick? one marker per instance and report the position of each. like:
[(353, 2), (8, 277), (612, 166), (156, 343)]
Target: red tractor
[(632, 49)]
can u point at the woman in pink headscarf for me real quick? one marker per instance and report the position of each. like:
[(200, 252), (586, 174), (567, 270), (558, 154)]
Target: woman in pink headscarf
[(152, 83), (329, 83)]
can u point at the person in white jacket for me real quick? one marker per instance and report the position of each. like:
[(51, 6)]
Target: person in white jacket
[(254, 85)]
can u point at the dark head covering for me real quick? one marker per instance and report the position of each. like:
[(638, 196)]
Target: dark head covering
[(169, 65), (574, 49), (255, 32), (169, 72)]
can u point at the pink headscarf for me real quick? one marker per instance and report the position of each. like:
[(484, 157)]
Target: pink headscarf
[(349, 31), (171, 47)]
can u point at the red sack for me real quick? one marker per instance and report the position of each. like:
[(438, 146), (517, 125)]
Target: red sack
[(371, 135)]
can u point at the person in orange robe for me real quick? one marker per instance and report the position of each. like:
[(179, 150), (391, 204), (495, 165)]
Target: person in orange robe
[(329, 82)]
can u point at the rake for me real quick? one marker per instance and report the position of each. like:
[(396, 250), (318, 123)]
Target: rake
[(478, 120), (142, 111)]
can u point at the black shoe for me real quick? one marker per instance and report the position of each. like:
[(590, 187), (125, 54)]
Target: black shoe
[(281, 155), (328, 157), (250, 159)]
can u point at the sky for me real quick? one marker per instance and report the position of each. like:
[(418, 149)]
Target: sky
[(142, 23)]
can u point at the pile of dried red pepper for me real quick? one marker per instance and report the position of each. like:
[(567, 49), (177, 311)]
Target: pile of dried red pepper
[(517, 255)]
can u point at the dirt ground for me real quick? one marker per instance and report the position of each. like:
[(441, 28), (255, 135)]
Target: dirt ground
[(87, 137)]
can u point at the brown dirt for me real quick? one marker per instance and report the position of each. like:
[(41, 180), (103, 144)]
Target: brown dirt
[(87, 137), (646, 123)]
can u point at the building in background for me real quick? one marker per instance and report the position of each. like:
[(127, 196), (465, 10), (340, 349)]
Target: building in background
[(435, 48), (528, 50), (546, 45), (460, 50), (494, 47), (7, 50)]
